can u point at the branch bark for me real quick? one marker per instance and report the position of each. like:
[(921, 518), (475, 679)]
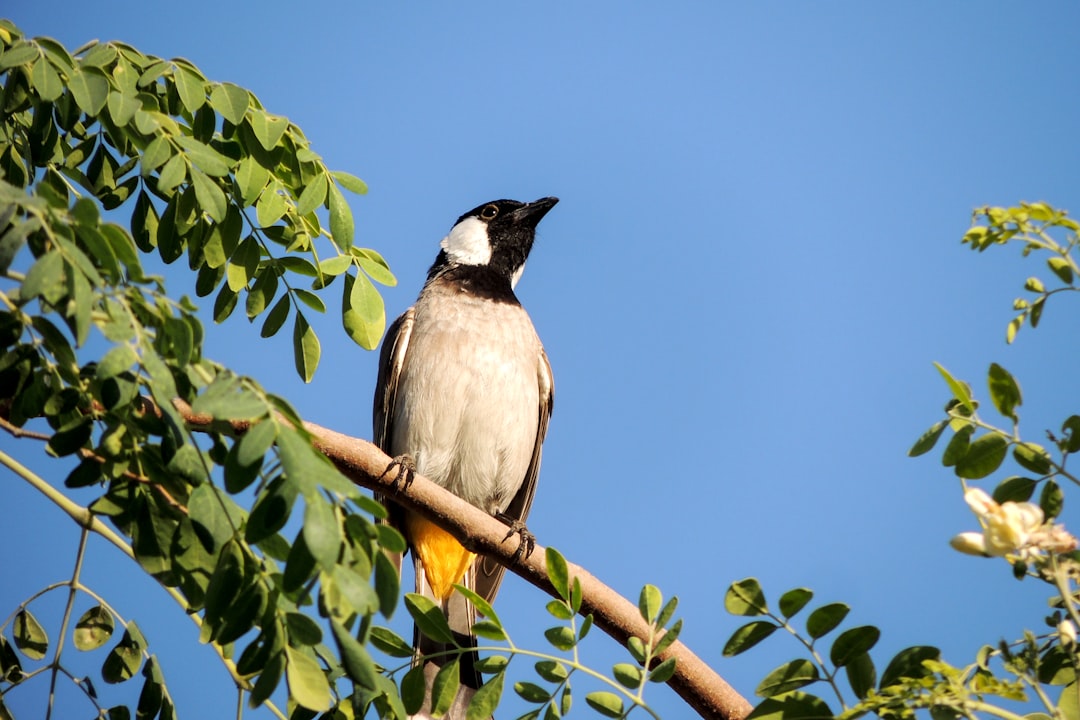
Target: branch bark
[(363, 463)]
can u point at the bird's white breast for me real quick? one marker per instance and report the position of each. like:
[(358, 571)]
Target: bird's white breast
[(468, 398)]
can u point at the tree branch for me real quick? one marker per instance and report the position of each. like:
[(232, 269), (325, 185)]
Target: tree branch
[(363, 463)]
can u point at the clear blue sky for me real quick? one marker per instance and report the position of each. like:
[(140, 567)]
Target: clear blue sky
[(754, 264)]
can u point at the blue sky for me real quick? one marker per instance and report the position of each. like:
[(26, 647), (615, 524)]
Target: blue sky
[(754, 264)]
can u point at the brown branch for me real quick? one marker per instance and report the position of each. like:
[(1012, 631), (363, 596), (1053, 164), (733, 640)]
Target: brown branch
[(363, 463)]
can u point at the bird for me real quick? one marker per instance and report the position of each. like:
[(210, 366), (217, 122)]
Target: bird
[(463, 397)]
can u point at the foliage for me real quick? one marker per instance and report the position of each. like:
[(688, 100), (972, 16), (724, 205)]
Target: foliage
[(107, 157), (206, 174), (1039, 666)]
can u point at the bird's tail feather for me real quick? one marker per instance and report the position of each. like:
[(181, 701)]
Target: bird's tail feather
[(461, 616)]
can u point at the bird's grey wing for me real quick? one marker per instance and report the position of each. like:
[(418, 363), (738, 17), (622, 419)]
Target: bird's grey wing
[(391, 360), (491, 572)]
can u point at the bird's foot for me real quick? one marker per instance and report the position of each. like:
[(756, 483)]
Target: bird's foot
[(404, 468), (526, 540)]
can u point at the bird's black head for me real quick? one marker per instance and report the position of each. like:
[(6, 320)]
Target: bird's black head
[(497, 235)]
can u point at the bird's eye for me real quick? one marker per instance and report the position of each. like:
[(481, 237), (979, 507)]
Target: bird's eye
[(489, 212)]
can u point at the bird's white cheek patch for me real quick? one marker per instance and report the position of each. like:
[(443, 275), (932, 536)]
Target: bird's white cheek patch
[(467, 243)]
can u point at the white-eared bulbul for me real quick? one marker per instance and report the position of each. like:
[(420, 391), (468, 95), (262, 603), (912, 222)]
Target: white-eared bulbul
[(463, 397)]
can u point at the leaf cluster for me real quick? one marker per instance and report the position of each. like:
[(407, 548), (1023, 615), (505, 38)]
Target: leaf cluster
[(848, 651), (205, 173), (1040, 229), (552, 692), (92, 631)]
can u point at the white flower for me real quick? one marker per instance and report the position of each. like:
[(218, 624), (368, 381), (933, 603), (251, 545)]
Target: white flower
[(1007, 527), (970, 543)]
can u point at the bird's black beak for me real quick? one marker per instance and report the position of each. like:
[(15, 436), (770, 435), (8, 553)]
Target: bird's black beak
[(532, 213)]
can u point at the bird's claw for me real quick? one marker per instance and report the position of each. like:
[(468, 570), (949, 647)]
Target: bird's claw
[(404, 468), (526, 542)]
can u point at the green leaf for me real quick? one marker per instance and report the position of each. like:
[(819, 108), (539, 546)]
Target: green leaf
[(649, 602), (209, 518), (825, 619), (210, 195), (71, 437), (794, 600), (118, 359), (482, 606), (745, 597), (204, 157), (306, 348), (45, 80), (243, 264), (29, 636), (1069, 702), (46, 278), (852, 643), (429, 618), (1060, 267), (271, 205), (313, 195), (606, 703), (557, 572), (562, 638), (389, 642), (350, 182), (1051, 500), (908, 663), (362, 311), (1015, 489), (268, 128), (1032, 457), (336, 265), (251, 177), (445, 687), (958, 446), (341, 219), (268, 679), (861, 675), (1071, 429), (308, 685), (413, 689), (1004, 391), (627, 675), (122, 107), (229, 100), (486, 698), (122, 662), (90, 88), (928, 439), (789, 676), (322, 532), (748, 636), (18, 55), (663, 672), (190, 86), (374, 265), (792, 706), (174, 173), (276, 317), (387, 583), (354, 657), (303, 630), (959, 389), (256, 441), (983, 457)]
